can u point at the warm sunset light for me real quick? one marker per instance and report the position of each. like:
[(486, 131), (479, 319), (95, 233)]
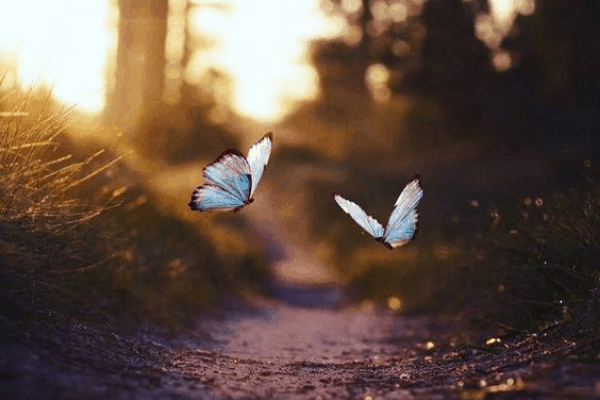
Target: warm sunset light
[(263, 46), (302, 199), (377, 77), (505, 11), (492, 28), (62, 44)]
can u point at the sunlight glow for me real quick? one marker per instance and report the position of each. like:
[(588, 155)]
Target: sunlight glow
[(377, 77), (259, 50), (503, 12), (62, 44), (174, 50), (263, 46), (492, 28), (352, 6)]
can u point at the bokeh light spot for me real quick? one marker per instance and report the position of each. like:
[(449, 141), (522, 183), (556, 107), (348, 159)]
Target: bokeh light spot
[(398, 11), (352, 6), (377, 77), (501, 61), (394, 303)]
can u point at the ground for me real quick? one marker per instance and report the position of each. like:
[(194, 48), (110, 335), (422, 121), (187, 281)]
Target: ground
[(277, 348), (267, 349)]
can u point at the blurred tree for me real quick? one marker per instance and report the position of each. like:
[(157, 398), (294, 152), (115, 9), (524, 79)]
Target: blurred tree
[(453, 69), (140, 63), (378, 32), (527, 79), (429, 51), (163, 116), (555, 80)]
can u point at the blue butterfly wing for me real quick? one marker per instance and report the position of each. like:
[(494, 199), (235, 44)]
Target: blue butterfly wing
[(258, 157), (368, 223), (227, 183), (209, 197), (231, 172), (402, 224)]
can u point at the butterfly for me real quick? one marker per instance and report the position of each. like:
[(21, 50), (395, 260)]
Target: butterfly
[(231, 180), (402, 224)]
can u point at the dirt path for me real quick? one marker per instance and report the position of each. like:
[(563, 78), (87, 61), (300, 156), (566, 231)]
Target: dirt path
[(273, 350), (285, 352), (282, 351)]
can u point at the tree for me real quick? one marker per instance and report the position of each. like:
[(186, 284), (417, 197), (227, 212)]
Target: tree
[(140, 63)]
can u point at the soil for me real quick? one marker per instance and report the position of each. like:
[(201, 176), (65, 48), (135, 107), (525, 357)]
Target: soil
[(268, 349)]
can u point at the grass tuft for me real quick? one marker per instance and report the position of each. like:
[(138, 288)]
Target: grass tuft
[(36, 181), (552, 251), (82, 237)]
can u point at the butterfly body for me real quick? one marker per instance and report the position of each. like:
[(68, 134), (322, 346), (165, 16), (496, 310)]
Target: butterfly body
[(383, 242), (231, 180), (401, 226)]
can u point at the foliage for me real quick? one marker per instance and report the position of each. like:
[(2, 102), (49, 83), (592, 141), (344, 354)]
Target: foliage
[(553, 251), (517, 266), (81, 236), (36, 180)]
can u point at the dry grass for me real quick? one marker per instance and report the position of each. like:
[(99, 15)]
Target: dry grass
[(552, 249), (81, 236), (37, 182)]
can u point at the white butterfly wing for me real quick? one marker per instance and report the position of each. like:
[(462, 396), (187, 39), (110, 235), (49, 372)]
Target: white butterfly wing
[(402, 224), (368, 223), (258, 157), (227, 183)]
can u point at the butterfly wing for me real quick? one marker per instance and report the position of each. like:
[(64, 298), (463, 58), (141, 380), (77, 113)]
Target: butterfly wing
[(209, 197), (368, 223), (402, 224), (227, 183), (258, 157)]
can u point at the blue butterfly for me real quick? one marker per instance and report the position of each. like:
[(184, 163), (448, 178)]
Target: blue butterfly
[(402, 224), (231, 180)]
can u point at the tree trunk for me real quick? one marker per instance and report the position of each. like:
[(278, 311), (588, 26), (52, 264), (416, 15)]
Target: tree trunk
[(140, 63)]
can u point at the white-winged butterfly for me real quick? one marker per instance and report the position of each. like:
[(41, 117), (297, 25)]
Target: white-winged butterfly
[(401, 226), (230, 181)]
